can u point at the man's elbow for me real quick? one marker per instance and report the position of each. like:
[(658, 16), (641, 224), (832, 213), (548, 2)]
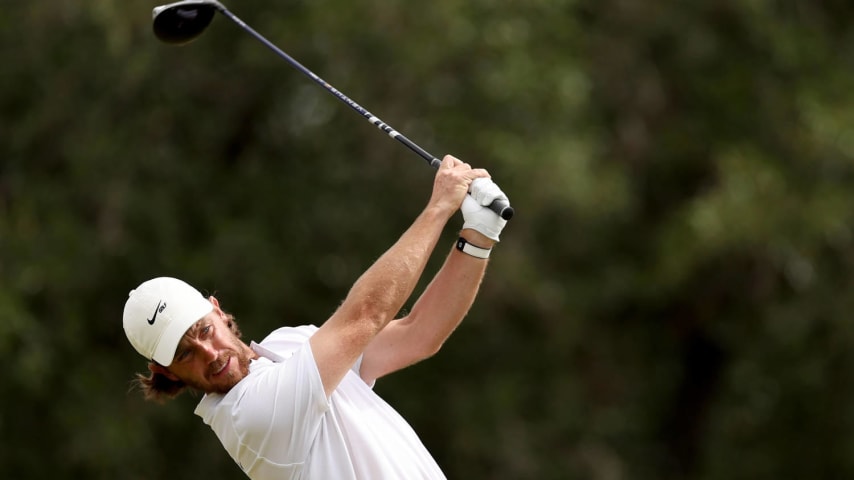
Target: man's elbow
[(428, 349), (368, 315)]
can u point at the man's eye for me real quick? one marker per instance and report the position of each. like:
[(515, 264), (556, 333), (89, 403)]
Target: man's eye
[(206, 330)]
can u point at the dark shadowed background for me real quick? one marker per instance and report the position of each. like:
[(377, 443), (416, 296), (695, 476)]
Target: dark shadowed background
[(672, 301)]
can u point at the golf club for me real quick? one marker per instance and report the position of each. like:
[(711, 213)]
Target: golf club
[(181, 22)]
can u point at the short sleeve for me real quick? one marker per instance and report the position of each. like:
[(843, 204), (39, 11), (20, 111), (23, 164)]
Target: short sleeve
[(280, 411), (357, 369)]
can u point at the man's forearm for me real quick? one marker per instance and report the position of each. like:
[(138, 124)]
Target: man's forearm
[(448, 297), (435, 315), (382, 290)]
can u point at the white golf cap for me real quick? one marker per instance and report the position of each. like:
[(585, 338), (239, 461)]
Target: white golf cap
[(158, 313)]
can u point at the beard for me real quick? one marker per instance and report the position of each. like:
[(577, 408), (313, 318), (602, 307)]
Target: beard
[(232, 378), (224, 383)]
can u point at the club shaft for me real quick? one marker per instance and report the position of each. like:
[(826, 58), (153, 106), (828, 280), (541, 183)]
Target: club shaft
[(502, 208)]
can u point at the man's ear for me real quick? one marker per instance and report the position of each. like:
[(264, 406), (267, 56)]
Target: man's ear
[(214, 301), (216, 309), (161, 370)]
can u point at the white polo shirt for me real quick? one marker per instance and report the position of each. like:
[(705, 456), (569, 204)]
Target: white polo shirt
[(278, 424)]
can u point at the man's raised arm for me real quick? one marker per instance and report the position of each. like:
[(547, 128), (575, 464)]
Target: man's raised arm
[(382, 290), (444, 303)]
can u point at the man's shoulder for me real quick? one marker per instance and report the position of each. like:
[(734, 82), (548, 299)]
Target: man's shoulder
[(296, 333), (282, 342)]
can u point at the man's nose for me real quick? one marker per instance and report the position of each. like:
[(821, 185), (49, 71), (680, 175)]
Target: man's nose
[(208, 352)]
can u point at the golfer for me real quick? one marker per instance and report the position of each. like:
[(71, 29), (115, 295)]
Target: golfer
[(300, 404)]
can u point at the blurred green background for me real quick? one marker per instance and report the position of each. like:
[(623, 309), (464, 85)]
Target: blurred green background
[(672, 300)]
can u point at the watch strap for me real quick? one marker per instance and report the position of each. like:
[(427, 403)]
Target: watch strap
[(478, 252)]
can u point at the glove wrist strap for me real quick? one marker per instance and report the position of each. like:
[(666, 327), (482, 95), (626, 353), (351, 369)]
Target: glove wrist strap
[(473, 250)]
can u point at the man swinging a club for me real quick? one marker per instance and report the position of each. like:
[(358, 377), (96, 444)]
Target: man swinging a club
[(300, 404)]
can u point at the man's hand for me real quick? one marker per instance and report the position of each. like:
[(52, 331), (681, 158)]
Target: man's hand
[(476, 215), (452, 183)]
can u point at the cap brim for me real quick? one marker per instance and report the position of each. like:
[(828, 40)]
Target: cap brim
[(164, 354)]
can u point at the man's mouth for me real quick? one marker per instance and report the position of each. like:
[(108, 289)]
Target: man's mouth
[(223, 368)]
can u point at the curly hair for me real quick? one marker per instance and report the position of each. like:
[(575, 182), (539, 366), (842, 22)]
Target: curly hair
[(159, 388)]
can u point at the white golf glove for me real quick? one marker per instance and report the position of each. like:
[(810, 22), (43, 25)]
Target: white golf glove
[(475, 213)]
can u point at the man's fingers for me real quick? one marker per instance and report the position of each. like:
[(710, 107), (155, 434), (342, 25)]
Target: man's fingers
[(449, 161), (456, 162), (463, 172), (479, 173)]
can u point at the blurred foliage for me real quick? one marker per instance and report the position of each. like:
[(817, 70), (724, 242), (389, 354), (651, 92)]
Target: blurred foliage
[(671, 302)]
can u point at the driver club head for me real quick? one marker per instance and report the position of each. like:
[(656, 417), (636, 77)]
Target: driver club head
[(182, 22)]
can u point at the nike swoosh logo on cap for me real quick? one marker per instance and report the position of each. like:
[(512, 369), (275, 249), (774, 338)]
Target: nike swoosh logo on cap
[(154, 317)]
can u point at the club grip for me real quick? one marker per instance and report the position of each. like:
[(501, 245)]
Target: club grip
[(499, 206), (502, 208)]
